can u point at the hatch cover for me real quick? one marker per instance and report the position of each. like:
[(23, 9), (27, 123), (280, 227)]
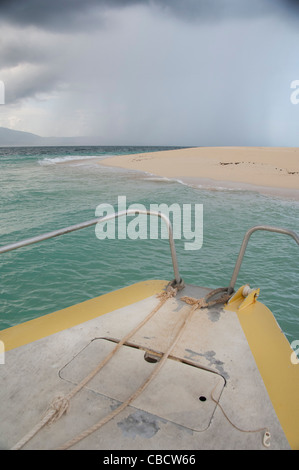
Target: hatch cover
[(180, 393)]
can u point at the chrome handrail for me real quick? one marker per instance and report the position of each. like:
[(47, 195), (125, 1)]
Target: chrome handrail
[(89, 223), (245, 242)]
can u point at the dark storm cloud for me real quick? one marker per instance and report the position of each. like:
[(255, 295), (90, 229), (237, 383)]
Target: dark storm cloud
[(169, 72), (69, 14), (21, 48), (56, 14), (30, 83), (29, 63)]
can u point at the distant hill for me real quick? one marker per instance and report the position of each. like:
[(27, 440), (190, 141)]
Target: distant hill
[(12, 138)]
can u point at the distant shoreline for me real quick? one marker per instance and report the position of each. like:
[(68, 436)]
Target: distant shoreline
[(267, 170)]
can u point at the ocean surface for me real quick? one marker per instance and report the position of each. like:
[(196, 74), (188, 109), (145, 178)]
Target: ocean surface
[(47, 188)]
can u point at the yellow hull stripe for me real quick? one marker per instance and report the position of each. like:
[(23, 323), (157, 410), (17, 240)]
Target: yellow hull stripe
[(272, 354), (269, 346)]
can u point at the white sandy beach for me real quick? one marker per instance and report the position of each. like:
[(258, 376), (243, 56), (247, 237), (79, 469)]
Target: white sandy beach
[(264, 169)]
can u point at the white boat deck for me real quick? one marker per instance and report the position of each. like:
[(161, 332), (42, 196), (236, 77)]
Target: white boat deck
[(211, 362)]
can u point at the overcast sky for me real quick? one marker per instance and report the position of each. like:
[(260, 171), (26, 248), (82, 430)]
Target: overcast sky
[(152, 72)]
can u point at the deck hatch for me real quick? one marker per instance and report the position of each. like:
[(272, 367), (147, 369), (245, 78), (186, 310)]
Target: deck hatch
[(180, 393)]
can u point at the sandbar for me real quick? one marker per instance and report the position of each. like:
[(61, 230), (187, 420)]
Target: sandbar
[(269, 170)]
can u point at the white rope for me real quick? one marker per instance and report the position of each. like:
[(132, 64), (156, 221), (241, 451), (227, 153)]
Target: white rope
[(60, 405), (133, 397)]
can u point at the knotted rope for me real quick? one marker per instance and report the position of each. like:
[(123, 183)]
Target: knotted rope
[(60, 405), (136, 394), (205, 302), (196, 304)]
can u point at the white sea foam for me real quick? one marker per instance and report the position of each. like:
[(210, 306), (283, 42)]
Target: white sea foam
[(163, 179), (67, 158), (159, 179), (205, 186)]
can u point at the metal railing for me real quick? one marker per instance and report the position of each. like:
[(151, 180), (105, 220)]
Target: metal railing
[(245, 243), (89, 223), (177, 277)]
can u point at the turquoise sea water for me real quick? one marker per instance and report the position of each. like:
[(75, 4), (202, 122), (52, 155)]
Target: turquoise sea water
[(39, 194)]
